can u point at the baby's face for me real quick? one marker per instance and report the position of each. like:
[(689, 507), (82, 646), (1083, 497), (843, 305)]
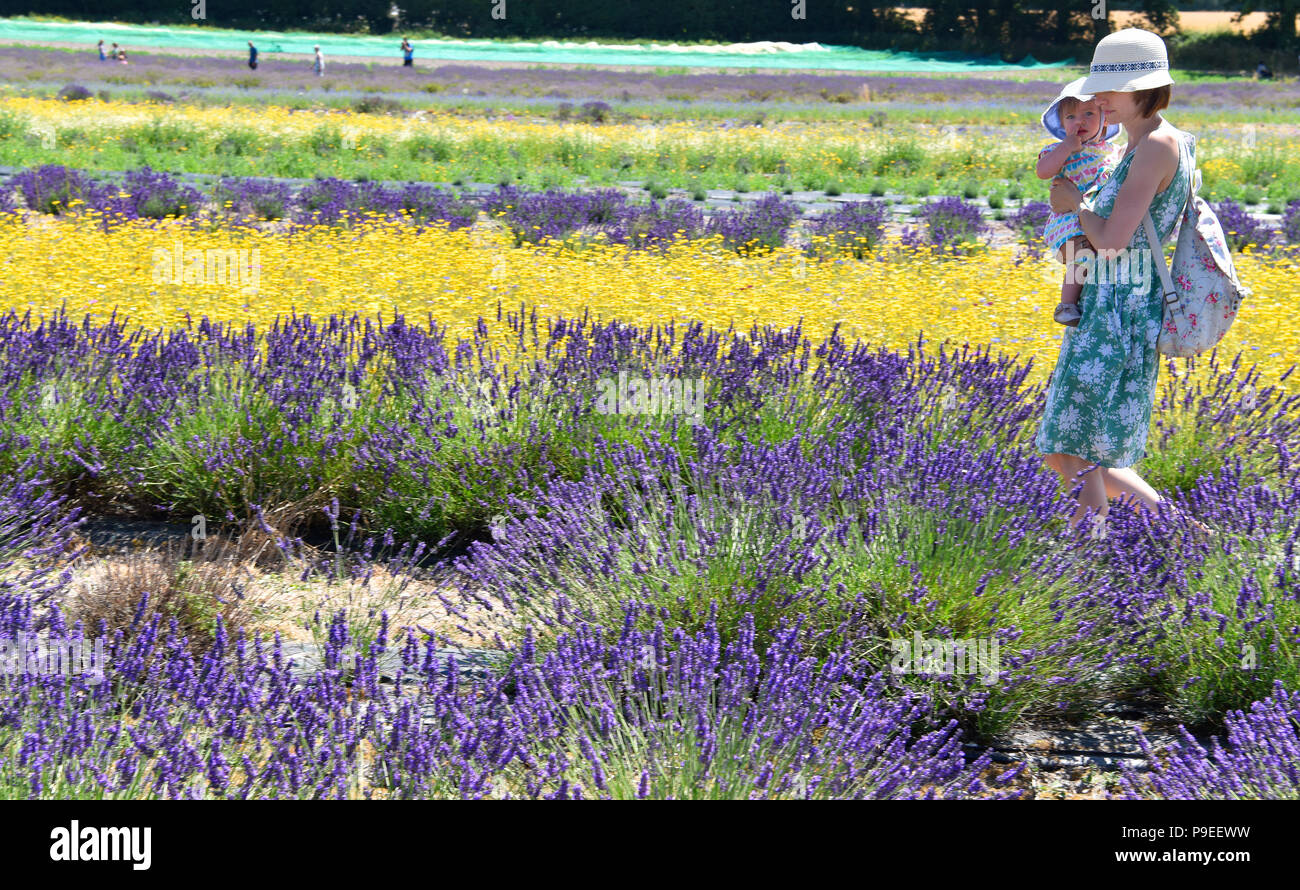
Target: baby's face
[(1084, 119)]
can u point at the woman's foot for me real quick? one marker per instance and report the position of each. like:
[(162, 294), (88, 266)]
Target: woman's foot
[(1067, 314), (1201, 532)]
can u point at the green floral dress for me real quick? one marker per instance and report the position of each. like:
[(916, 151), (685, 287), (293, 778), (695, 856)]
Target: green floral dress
[(1101, 392)]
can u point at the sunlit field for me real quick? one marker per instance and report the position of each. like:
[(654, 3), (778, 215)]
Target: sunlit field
[(595, 455)]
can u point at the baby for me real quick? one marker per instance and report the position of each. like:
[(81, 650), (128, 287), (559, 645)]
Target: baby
[(1085, 156)]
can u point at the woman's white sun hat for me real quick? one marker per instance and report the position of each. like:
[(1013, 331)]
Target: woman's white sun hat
[(1052, 116), (1126, 61)]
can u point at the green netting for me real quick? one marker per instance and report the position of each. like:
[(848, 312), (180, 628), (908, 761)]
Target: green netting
[(736, 55)]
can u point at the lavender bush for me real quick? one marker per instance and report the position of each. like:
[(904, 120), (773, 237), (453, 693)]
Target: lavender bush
[(762, 226), (36, 527), (812, 505), (855, 227), (1260, 761), (1291, 222), (327, 201), (426, 205), (146, 194), (658, 224), (253, 200), (949, 225), (600, 716), (54, 189), (1242, 229), (553, 214), (1029, 222), (574, 217)]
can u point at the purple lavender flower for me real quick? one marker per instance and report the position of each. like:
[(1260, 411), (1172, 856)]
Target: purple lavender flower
[(657, 224), (53, 189), (764, 225), (951, 225), (1291, 222), (856, 226), (253, 200), (1241, 227), (1258, 760), (148, 194)]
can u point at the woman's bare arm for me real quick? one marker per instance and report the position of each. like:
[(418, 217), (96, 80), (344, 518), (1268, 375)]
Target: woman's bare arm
[(1154, 163)]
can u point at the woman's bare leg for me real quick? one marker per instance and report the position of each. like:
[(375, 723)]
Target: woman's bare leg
[(1118, 483), (1126, 481), (1095, 493)]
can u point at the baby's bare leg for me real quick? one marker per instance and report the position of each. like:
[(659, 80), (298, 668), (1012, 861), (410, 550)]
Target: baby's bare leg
[(1070, 289), (1072, 285)]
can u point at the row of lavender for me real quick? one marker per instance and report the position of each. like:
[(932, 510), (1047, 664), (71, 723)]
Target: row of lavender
[(593, 717), (712, 584), (533, 216), (949, 225), (291, 76)]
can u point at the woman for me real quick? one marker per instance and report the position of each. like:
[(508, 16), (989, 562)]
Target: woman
[(1099, 400)]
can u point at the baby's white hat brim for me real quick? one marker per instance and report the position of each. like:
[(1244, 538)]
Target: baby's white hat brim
[(1052, 116)]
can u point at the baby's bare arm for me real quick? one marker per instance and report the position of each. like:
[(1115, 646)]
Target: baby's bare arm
[(1050, 164)]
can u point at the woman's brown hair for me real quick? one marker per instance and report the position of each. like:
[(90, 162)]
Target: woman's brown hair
[(1153, 100)]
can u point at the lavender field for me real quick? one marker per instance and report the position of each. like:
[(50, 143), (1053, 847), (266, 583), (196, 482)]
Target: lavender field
[(275, 77), (689, 603)]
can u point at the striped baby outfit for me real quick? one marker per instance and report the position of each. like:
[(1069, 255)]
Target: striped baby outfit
[(1088, 168)]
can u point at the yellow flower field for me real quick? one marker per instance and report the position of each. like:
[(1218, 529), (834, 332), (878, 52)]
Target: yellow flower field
[(142, 271), (107, 120)]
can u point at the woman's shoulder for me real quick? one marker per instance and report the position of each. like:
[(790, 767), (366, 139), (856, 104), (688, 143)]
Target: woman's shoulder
[(1168, 134), (1165, 141)]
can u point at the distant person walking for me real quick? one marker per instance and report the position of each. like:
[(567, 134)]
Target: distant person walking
[(252, 56), (1263, 71), (102, 56), (320, 63), (408, 54)]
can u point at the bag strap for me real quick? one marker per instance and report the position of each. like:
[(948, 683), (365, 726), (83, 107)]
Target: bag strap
[(1158, 258), (1153, 239)]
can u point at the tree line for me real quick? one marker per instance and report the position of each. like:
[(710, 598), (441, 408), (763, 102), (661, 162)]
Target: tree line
[(1005, 26)]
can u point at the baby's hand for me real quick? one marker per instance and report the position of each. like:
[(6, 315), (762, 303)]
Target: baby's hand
[(1073, 141)]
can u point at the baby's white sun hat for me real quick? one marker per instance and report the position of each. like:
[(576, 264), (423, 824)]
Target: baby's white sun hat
[(1126, 61), (1052, 116)]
